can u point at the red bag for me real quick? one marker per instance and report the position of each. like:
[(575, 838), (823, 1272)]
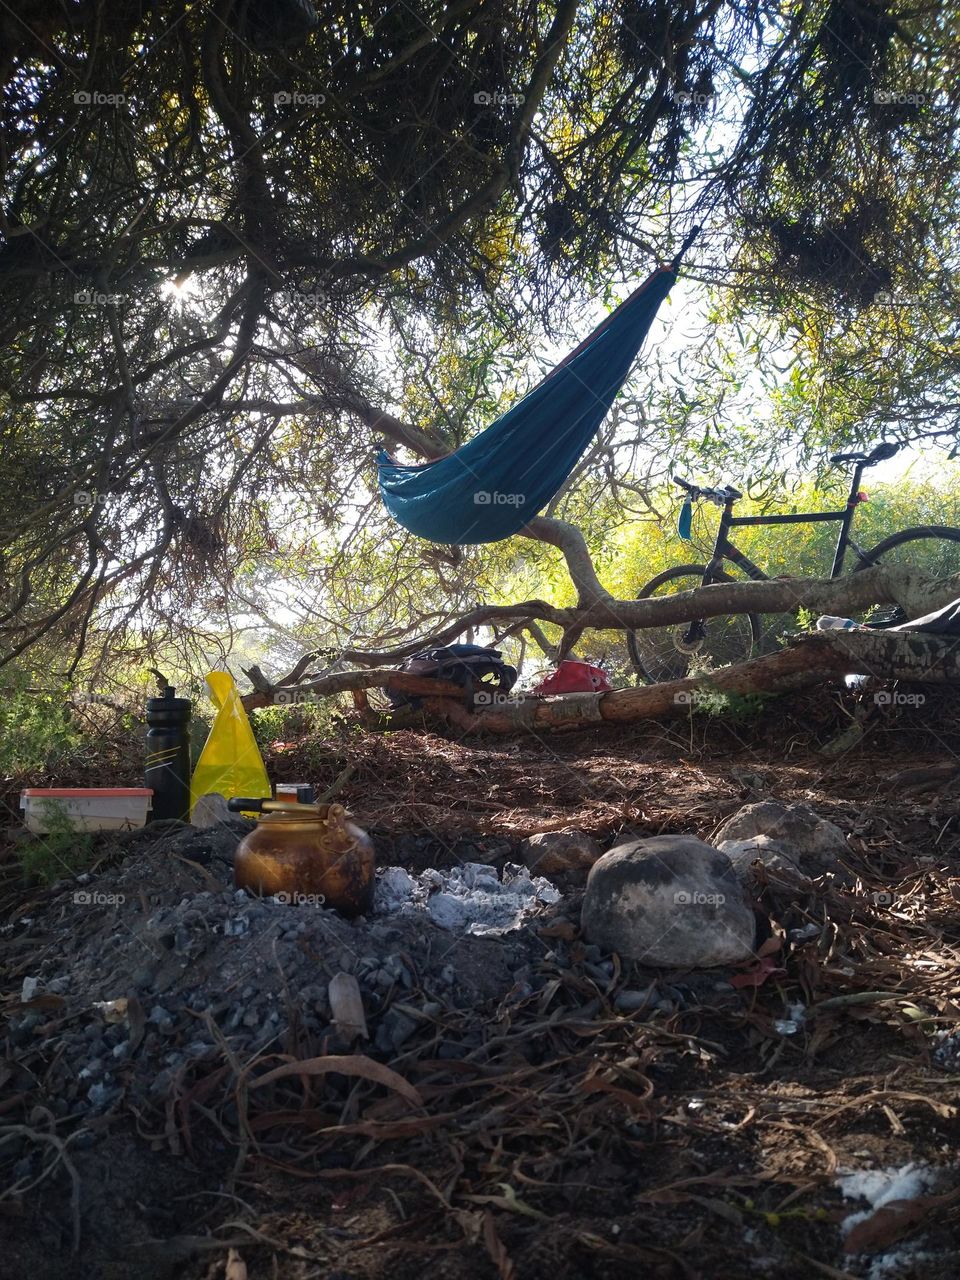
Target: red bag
[(574, 677)]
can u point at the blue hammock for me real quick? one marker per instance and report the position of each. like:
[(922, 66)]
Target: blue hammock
[(498, 481)]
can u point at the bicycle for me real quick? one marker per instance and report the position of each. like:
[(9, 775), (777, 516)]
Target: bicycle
[(666, 653)]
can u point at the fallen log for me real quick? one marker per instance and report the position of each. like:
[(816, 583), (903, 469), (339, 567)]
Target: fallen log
[(351, 682), (807, 660)]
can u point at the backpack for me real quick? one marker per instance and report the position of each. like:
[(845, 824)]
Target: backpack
[(474, 668)]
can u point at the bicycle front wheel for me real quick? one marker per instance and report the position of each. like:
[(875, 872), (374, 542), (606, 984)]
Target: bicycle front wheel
[(664, 653), (932, 548)]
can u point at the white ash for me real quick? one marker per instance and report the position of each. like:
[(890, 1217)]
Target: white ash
[(881, 1186), (470, 898), (902, 1262)]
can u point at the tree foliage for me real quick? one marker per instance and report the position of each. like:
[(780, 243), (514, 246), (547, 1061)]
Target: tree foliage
[(215, 238)]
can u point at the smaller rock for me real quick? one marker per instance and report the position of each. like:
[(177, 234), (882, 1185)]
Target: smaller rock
[(144, 975), (29, 989), (551, 853), (450, 1049), (160, 1018), (810, 843), (101, 1095), (346, 1004), (210, 811), (629, 1001), (397, 1028), (162, 1083)]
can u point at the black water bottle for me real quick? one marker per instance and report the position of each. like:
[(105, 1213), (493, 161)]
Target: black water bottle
[(168, 753)]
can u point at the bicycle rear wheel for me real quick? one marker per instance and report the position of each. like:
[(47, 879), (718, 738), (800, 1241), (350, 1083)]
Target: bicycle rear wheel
[(662, 653), (935, 548)]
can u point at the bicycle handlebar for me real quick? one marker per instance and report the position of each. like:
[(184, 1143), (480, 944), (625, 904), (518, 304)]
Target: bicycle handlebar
[(721, 495)]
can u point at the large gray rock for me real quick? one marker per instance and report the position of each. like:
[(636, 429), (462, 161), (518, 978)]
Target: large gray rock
[(781, 835), (669, 901), (551, 853)]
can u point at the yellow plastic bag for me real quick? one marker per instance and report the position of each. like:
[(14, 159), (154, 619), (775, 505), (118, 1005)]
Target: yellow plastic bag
[(230, 762)]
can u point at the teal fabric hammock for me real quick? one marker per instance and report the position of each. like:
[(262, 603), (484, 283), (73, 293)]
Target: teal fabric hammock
[(498, 481)]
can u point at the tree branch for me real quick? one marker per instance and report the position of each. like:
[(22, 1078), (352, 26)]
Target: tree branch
[(916, 593)]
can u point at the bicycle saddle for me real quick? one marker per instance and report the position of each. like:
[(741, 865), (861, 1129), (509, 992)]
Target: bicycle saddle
[(883, 451)]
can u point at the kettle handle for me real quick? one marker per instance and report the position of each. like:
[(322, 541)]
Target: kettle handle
[(241, 804)]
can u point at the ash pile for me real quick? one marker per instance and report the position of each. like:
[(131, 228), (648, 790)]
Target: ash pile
[(138, 978)]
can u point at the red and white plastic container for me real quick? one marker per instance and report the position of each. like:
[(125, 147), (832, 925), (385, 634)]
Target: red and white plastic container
[(87, 808)]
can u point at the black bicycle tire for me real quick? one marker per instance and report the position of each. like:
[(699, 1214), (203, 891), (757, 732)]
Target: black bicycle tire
[(943, 532), (677, 571), (946, 532)]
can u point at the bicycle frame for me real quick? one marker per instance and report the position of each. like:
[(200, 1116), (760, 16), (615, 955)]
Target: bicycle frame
[(724, 549)]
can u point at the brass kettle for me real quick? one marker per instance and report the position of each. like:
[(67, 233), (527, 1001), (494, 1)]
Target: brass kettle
[(305, 853)]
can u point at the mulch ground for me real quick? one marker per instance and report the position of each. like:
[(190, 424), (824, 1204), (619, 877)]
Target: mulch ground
[(576, 1141)]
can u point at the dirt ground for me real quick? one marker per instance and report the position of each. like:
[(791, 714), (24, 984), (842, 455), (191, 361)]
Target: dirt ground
[(575, 1141)]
